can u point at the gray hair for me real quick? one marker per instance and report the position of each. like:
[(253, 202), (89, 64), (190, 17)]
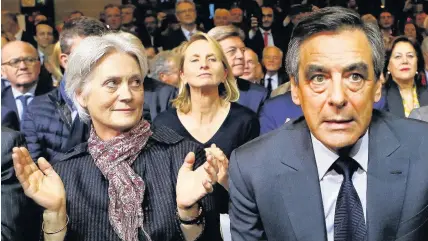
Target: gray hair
[(333, 19), (223, 32), (424, 45), (160, 63), (184, 1), (84, 59)]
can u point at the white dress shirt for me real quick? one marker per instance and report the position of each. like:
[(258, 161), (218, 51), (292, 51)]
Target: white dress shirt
[(41, 56), (330, 181), (18, 102), (188, 33), (274, 81)]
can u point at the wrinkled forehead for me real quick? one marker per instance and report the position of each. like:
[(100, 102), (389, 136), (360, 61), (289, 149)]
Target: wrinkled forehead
[(18, 50)]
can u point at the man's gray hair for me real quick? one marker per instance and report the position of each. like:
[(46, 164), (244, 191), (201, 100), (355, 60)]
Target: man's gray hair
[(223, 32), (184, 1), (84, 59), (160, 63), (424, 46), (333, 19)]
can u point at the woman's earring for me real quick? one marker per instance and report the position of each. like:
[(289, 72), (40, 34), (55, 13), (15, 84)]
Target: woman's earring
[(388, 73), (417, 72)]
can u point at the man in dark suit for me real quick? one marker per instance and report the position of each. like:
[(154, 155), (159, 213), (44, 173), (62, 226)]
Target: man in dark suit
[(21, 67), (185, 11), (19, 214), (231, 40), (51, 125), (157, 98), (265, 35), (272, 61), (343, 171)]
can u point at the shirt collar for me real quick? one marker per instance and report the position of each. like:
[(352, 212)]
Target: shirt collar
[(41, 54), (273, 77), (30, 92), (187, 32), (263, 31), (324, 157), (18, 35)]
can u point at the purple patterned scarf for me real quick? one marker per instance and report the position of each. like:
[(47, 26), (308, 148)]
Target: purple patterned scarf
[(126, 189)]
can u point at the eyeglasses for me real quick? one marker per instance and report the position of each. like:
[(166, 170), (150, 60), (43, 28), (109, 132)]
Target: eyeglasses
[(190, 10), (28, 61)]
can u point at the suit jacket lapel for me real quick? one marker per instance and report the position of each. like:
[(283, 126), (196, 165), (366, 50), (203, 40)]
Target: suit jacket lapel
[(8, 99), (386, 180), (302, 192)]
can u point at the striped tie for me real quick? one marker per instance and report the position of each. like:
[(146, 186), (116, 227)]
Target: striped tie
[(349, 224)]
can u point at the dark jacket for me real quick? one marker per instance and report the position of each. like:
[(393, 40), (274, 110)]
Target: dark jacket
[(158, 165), (48, 126), (19, 214), (157, 98), (251, 95), (394, 101), (9, 118), (173, 39)]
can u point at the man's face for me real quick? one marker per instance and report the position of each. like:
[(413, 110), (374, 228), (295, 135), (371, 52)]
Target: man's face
[(272, 59), (221, 19), (267, 18), (386, 20), (7, 24), (236, 15), (22, 72), (150, 23), (44, 35), (113, 18), (127, 15), (234, 49), (336, 87), (39, 18), (420, 18), (186, 13), (251, 63)]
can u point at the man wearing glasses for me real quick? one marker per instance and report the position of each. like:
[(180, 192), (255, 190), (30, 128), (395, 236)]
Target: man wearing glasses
[(21, 67)]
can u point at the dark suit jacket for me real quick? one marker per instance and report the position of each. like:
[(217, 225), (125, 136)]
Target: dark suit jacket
[(157, 98), (394, 102), (9, 118), (420, 114), (8, 100), (19, 214), (251, 95), (174, 39), (257, 43), (275, 111), (291, 207)]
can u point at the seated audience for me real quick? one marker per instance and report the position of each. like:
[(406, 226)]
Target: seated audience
[(205, 109), (406, 86), (231, 40), (51, 125), (129, 181), (21, 68)]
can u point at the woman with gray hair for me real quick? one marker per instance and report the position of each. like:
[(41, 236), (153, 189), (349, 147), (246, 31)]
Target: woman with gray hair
[(129, 181)]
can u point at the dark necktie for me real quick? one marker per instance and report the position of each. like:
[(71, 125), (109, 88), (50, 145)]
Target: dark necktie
[(265, 38), (349, 224), (269, 86), (23, 99)]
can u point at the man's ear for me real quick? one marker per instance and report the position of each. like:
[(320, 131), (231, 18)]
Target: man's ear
[(378, 90), (3, 71), (294, 90), (63, 59)]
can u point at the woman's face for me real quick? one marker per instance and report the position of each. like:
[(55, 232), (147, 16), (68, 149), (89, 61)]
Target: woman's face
[(202, 67), (410, 31), (116, 95), (403, 62)]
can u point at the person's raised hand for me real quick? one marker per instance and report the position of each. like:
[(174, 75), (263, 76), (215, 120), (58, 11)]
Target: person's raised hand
[(223, 165)]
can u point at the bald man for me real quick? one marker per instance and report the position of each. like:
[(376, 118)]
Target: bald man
[(221, 17), (250, 66), (21, 67), (272, 61)]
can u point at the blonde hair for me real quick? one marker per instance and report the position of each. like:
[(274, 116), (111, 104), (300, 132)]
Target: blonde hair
[(54, 60), (183, 100)]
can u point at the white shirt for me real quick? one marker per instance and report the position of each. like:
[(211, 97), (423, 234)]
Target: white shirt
[(41, 56), (18, 102), (331, 181), (252, 33), (274, 80), (18, 35), (187, 33)]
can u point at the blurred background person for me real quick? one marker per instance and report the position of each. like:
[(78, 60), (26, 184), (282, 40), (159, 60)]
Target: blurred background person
[(275, 75), (112, 16), (164, 67), (405, 87), (221, 17), (250, 66)]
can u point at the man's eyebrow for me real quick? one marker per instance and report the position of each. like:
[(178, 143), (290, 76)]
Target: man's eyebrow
[(313, 68), (360, 66)]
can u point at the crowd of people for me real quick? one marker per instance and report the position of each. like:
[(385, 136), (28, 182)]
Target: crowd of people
[(248, 120)]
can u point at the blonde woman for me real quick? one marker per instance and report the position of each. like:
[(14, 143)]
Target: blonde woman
[(205, 109), (52, 63)]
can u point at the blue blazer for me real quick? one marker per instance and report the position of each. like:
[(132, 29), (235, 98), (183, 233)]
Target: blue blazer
[(277, 110), (251, 95)]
